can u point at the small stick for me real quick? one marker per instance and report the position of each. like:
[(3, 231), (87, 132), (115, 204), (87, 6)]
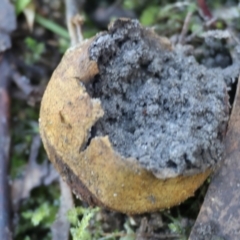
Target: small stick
[(193, 35), (185, 28), (204, 8), (74, 21), (5, 232), (22, 83)]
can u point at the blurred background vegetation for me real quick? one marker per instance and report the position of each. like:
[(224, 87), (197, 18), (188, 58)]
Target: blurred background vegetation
[(38, 44)]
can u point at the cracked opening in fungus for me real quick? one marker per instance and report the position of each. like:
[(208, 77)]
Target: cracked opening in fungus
[(160, 107)]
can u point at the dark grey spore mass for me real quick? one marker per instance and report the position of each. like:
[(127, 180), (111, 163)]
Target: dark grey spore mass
[(161, 107)]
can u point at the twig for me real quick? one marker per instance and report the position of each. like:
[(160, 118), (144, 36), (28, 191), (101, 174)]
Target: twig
[(234, 37), (145, 233), (60, 228), (205, 10), (34, 150), (185, 27), (28, 92), (23, 83), (74, 21), (193, 35), (4, 151)]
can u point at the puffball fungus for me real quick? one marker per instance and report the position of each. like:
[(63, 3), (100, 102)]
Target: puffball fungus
[(132, 124)]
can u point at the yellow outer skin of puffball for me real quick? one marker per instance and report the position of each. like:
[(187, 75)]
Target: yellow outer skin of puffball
[(66, 117)]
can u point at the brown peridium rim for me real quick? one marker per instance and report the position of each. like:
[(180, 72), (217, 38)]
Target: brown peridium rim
[(76, 184), (100, 175)]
